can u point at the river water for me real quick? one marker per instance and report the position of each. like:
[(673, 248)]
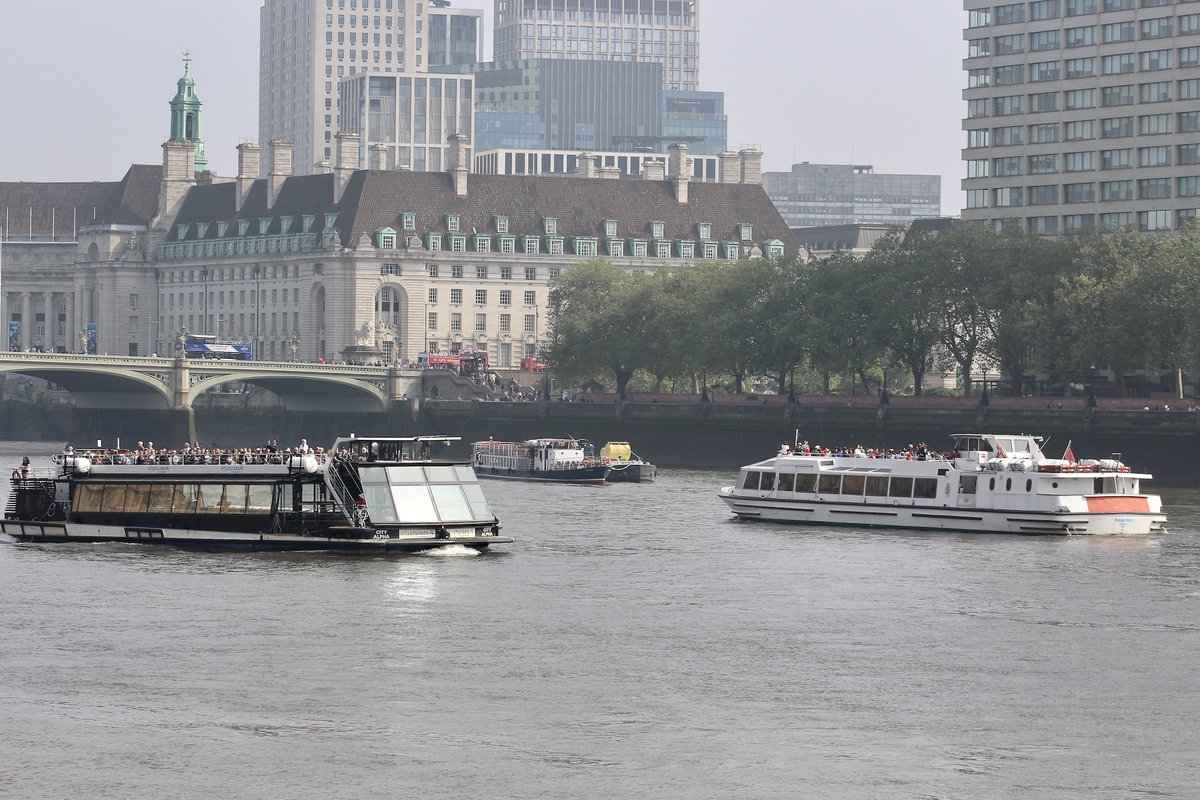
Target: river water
[(635, 642)]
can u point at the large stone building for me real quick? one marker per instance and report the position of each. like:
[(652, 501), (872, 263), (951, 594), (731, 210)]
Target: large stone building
[(400, 260), (666, 32), (307, 46), (1081, 113)]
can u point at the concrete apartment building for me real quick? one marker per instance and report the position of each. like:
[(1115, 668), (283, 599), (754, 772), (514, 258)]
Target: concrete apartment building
[(812, 195), (1081, 113), (307, 46), (666, 32)]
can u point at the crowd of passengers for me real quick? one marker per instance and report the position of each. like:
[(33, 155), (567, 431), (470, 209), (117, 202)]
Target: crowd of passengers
[(147, 453), (918, 453)]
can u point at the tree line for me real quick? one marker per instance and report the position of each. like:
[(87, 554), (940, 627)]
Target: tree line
[(915, 304)]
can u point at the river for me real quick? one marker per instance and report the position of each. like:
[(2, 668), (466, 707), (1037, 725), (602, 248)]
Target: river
[(635, 642)]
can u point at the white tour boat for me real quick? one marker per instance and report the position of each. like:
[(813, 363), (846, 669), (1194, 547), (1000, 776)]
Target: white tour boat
[(989, 483), (367, 496)]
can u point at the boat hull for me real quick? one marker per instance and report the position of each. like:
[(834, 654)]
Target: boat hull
[(595, 476), (940, 518), (336, 541), (632, 472)]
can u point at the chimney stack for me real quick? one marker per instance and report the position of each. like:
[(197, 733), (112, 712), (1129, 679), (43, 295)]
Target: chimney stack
[(249, 165), (610, 172), (347, 162), (654, 170), (730, 168), (751, 165), (178, 176), (322, 168), (585, 165), (377, 156), (679, 170), (458, 163), (281, 168)]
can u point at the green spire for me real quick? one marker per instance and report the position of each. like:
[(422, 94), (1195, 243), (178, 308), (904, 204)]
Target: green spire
[(185, 115)]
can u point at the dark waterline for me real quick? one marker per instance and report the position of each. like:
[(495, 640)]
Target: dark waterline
[(635, 642)]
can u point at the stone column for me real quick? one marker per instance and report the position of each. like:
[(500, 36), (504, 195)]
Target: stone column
[(26, 320), (72, 332)]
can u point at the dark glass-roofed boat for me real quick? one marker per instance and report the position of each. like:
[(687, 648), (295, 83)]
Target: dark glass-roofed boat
[(369, 496)]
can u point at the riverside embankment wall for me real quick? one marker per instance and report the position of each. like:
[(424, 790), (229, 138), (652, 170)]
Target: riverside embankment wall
[(673, 435)]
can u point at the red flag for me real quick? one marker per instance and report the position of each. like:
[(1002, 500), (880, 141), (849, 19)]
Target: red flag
[(1068, 456)]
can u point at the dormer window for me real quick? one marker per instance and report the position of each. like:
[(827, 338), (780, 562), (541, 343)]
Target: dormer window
[(433, 241), (306, 222), (263, 224), (243, 226), (656, 230), (550, 225), (408, 221), (637, 248), (330, 219), (501, 224), (616, 248), (221, 228), (687, 249), (452, 223), (181, 230), (731, 251), (554, 245), (201, 230), (703, 230), (285, 223), (483, 244), (774, 248), (585, 245), (385, 238), (532, 245), (458, 243), (745, 231), (662, 249), (610, 227)]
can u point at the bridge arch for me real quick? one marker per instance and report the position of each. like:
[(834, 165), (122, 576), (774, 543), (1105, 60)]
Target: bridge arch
[(305, 391), (97, 382)]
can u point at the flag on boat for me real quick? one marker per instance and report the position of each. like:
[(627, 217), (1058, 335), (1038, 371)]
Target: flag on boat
[(1068, 456)]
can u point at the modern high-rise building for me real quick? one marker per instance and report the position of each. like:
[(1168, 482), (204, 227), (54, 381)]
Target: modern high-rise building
[(308, 46), (666, 32), (851, 194), (1081, 113)]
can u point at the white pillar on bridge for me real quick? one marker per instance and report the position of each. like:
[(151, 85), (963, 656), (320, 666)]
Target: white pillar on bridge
[(26, 320)]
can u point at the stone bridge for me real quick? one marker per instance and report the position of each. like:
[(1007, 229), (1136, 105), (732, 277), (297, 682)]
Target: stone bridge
[(171, 383)]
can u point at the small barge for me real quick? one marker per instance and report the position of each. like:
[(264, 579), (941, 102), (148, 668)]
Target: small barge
[(563, 460), (625, 466)]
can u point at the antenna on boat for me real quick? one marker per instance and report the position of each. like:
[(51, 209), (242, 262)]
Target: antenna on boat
[(796, 443)]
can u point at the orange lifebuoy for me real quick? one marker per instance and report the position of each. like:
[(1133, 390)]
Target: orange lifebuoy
[(607, 461)]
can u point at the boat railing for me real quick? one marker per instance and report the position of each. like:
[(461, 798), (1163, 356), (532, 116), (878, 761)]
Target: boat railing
[(21, 477), (132, 458)]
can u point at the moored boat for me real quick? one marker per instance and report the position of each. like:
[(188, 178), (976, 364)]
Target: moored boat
[(364, 496), (625, 465), (988, 483), (563, 460)]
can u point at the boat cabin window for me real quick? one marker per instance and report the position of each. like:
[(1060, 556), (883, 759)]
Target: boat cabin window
[(806, 483), (429, 494), (829, 484), (852, 484), (787, 480), (900, 487), (757, 479), (927, 487), (877, 486), (966, 484), (173, 498)]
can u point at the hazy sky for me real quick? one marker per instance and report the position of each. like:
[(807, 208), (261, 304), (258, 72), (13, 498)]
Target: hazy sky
[(87, 84)]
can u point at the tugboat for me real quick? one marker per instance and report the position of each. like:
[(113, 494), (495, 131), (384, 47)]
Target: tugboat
[(625, 465), (368, 496), (565, 460), (988, 483)]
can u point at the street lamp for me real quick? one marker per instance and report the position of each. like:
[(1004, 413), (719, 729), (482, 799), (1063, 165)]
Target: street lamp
[(983, 396)]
